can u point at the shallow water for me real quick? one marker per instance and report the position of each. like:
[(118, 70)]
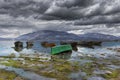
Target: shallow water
[(84, 55), (26, 74), (6, 48)]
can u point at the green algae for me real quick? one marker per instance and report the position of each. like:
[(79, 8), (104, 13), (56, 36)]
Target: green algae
[(13, 63), (88, 68), (60, 69), (46, 68), (6, 75)]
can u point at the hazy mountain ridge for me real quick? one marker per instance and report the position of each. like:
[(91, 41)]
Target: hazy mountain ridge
[(48, 35), (98, 37)]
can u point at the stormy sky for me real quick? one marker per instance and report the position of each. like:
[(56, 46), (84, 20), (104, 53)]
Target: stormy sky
[(19, 17)]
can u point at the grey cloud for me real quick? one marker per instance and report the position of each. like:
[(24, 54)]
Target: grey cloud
[(46, 17), (4, 32), (70, 10), (59, 9), (8, 22), (80, 12), (74, 3), (104, 19), (113, 25), (25, 8)]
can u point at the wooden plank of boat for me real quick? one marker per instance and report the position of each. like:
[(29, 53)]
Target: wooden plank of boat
[(60, 49)]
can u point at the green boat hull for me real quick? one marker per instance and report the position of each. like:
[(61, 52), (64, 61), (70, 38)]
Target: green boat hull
[(59, 49)]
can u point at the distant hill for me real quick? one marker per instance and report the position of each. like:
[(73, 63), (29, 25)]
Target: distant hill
[(48, 35), (98, 37)]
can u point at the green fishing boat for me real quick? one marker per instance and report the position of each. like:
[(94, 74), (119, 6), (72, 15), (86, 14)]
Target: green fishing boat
[(61, 48)]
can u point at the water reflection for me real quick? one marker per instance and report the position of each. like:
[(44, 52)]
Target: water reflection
[(18, 46), (8, 47), (29, 45), (18, 49), (73, 44), (64, 55), (90, 44)]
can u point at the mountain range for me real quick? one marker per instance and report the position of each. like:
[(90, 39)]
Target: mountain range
[(49, 35), (98, 37)]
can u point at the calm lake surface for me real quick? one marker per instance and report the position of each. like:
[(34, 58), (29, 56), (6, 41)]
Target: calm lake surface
[(7, 47)]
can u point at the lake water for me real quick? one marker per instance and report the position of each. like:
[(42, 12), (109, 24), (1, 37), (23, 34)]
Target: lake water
[(102, 53), (7, 47)]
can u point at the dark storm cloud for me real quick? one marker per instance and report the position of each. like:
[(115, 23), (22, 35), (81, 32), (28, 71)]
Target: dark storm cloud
[(106, 19), (74, 3), (25, 8), (78, 9), (68, 9), (46, 17), (46, 14), (59, 9)]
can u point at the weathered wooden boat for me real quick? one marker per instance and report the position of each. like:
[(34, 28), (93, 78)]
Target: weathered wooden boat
[(73, 45), (90, 44), (60, 49), (47, 45)]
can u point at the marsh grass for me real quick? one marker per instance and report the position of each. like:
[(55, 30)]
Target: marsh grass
[(7, 75), (60, 69)]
